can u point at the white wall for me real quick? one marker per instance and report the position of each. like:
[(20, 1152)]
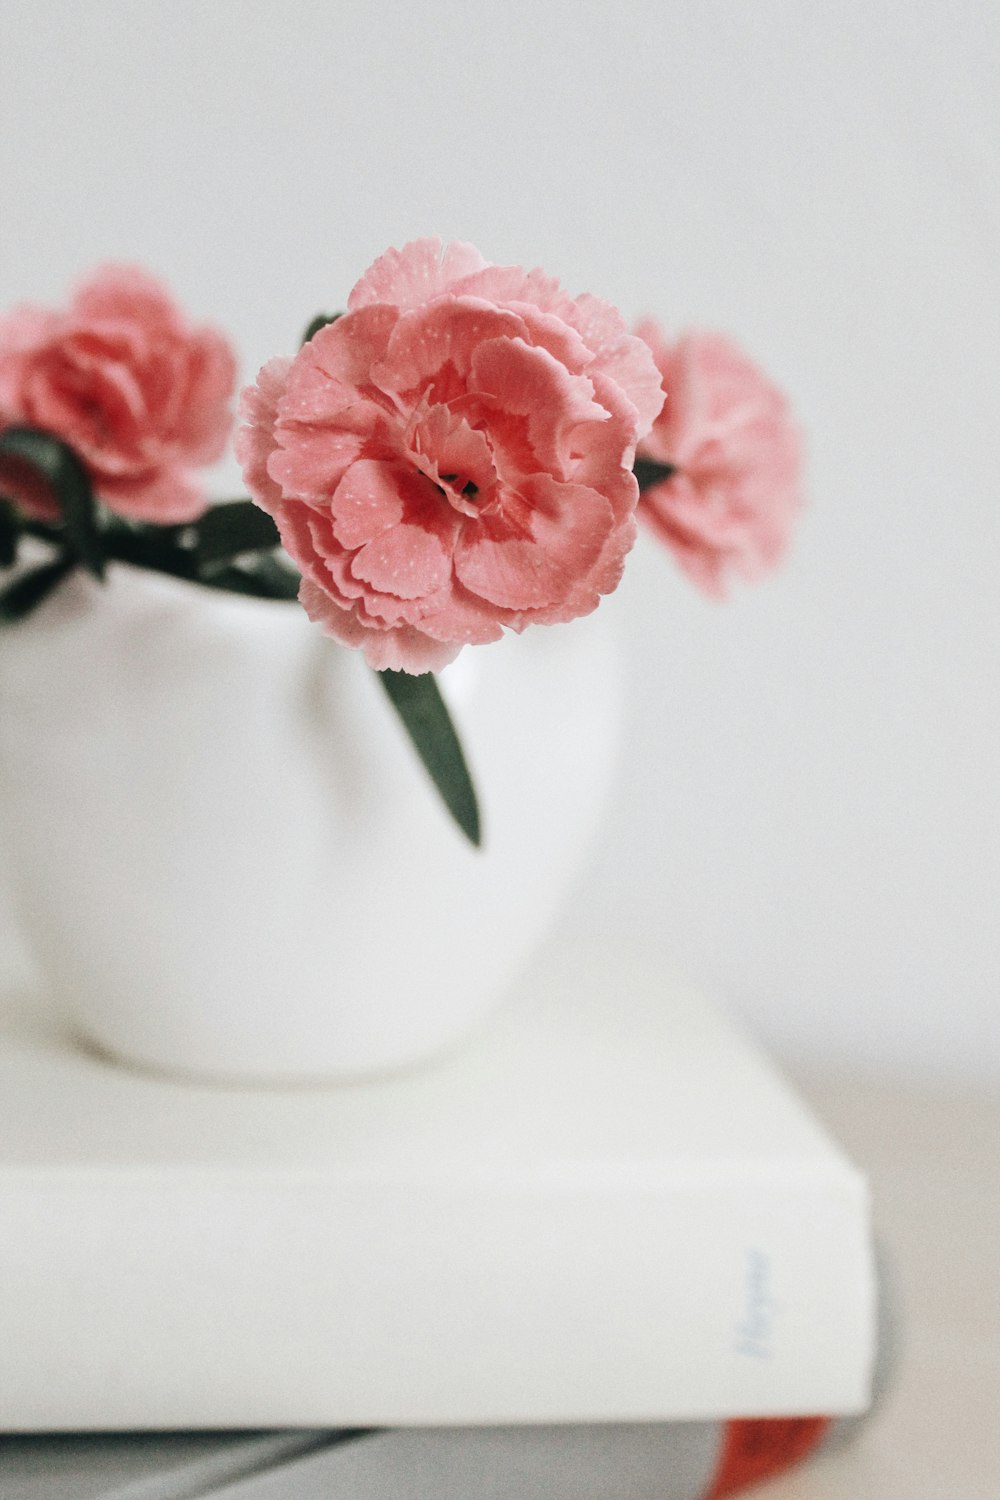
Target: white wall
[(808, 817)]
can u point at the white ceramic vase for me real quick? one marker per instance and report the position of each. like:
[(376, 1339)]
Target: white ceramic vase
[(228, 860)]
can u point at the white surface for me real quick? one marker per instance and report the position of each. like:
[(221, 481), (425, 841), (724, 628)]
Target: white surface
[(609, 1208), (933, 1156), (808, 819), (227, 855)]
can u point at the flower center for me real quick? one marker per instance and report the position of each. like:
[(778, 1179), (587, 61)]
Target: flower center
[(455, 456), (468, 491)]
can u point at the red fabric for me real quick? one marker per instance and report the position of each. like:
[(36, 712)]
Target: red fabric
[(756, 1448)]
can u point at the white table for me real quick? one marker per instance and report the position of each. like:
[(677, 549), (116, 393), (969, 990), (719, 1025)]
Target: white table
[(933, 1156)]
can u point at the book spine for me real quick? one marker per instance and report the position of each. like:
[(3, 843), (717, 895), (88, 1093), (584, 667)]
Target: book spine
[(428, 1304)]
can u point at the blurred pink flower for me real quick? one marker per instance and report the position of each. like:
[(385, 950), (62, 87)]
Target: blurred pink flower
[(120, 376), (453, 456), (728, 432)]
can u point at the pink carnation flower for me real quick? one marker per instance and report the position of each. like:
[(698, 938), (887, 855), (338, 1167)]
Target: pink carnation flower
[(120, 376), (727, 430), (453, 456)]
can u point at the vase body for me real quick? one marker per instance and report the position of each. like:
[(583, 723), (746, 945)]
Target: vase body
[(226, 856)]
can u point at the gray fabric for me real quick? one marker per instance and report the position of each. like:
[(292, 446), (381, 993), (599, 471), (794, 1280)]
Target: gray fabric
[(887, 1341), (655, 1461), (140, 1466)]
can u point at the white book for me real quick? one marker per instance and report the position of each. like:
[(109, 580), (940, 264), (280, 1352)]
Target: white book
[(606, 1208)]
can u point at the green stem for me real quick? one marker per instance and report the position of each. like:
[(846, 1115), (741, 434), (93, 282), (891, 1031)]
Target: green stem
[(648, 473), (426, 719)]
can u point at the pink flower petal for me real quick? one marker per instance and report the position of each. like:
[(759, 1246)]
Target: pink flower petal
[(210, 376), (599, 326), (337, 619), (96, 407), (547, 331), (165, 497), (730, 508), (402, 649), (522, 381), (335, 365), (255, 439), (443, 336), (121, 377), (454, 455), (308, 537), (569, 527), (604, 456), (508, 286), (623, 358), (460, 617), (125, 294), (408, 562), (310, 462), (366, 502), (407, 649), (412, 276)]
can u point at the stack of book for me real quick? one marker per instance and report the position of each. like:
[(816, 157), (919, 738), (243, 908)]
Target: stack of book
[(603, 1251)]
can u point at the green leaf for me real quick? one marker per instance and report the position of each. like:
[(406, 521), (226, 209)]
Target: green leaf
[(21, 597), (427, 721), (9, 532), (65, 476), (265, 578), (45, 531), (321, 320), (276, 579), (175, 550), (226, 531), (152, 547), (649, 473)]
